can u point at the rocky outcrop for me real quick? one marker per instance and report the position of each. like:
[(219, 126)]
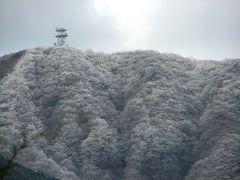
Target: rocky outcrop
[(136, 115)]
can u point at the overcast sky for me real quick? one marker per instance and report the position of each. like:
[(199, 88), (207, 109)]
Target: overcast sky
[(203, 29)]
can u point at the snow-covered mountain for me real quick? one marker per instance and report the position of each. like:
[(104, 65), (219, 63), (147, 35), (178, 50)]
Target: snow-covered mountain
[(138, 115)]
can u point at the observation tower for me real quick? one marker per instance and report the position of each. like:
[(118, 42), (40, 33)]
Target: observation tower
[(61, 36)]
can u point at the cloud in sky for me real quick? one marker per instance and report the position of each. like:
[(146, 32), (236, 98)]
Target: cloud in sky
[(206, 29), (130, 17)]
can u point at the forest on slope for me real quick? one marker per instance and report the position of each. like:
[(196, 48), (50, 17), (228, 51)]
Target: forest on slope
[(136, 115)]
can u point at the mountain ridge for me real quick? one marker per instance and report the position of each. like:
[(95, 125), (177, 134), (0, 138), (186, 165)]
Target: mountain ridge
[(128, 115)]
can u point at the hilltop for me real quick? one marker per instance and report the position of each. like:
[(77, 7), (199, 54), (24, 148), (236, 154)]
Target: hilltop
[(136, 115)]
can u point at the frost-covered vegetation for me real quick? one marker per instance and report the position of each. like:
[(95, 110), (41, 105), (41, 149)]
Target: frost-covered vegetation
[(136, 115), (7, 62), (18, 172)]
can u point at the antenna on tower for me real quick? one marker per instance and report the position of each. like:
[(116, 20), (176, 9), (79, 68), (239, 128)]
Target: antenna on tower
[(61, 36)]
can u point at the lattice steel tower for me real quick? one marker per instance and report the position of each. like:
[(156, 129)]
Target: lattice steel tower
[(61, 36)]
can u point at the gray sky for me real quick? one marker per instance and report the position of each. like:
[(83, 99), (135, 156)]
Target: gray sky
[(203, 29)]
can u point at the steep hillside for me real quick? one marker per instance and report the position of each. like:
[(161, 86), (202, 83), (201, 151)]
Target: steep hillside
[(7, 62), (22, 173), (138, 115)]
